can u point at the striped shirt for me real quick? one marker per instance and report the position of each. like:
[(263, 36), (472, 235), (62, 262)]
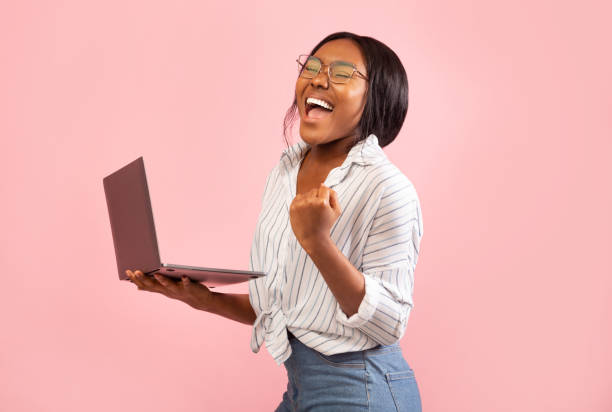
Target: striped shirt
[(379, 231)]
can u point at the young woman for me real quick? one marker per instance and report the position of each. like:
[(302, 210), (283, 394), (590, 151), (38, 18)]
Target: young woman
[(338, 236)]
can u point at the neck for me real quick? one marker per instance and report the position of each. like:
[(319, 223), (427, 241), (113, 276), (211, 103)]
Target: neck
[(332, 153)]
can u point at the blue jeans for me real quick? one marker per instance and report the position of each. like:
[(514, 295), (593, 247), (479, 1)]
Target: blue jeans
[(374, 380)]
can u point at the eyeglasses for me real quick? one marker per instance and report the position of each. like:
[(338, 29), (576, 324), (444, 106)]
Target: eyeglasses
[(338, 71)]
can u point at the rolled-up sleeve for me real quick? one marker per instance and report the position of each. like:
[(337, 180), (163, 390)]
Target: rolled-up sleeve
[(389, 260)]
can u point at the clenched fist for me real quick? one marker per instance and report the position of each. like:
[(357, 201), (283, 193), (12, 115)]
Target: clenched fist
[(313, 214)]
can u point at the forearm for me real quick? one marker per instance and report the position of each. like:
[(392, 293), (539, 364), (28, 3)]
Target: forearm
[(343, 279), (383, 315), (234, 306)]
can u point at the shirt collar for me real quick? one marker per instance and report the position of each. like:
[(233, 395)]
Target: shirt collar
[(366, 152)]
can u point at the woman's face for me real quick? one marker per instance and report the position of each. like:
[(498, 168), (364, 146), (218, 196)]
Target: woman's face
[(347, 99)]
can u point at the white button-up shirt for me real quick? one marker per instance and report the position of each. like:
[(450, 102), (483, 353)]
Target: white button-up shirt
[(379, 231)]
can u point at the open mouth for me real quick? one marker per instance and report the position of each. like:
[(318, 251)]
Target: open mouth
[(316, 108)]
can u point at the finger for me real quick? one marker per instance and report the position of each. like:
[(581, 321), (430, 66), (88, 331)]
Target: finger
[(147, 282), (135, 279), (189, 286), (186, 281), (166, 283), (142, 279), (164, 280), (333, 201), (160, 278), (323, 193), (131, 275)]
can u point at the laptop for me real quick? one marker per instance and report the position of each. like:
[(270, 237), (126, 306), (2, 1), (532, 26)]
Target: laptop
[(133, 229)]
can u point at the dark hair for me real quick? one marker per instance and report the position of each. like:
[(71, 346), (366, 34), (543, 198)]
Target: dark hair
[(387, 96)]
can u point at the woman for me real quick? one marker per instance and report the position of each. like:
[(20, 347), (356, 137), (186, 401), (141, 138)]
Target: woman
[(339, 262)]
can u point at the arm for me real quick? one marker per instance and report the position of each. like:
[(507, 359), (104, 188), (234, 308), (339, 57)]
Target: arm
[(343, 279), (378, 299), (370, 301), (234, 306)]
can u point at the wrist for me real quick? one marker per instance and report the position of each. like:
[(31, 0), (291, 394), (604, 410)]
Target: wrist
[(315, 247)]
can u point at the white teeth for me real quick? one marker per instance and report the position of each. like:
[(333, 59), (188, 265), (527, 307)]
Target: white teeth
[(312, 100)]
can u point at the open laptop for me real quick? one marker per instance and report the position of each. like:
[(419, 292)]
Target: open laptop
[(131, 219)]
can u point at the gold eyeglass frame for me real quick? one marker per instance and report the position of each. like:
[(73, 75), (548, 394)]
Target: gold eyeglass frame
[(329, 76)]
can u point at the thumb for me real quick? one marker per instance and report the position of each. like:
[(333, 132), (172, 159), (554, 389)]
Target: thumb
[(333, 202)]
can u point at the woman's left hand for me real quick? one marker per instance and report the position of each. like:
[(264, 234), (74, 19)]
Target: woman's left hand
[(313, 214)]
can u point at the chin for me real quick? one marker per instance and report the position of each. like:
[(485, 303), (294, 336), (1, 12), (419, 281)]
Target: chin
[(312, 137), (314, 130)]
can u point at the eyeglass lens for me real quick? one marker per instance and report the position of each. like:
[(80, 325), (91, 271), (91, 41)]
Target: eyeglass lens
[(340, 72)]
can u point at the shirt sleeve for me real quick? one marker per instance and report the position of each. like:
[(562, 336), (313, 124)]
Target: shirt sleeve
[(389, 260)]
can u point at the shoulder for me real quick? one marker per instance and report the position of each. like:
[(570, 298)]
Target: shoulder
[(388, 180), (271, 180), (396, 195)]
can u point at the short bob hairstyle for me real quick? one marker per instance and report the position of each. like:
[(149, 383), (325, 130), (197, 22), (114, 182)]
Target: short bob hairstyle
[(387, 96)]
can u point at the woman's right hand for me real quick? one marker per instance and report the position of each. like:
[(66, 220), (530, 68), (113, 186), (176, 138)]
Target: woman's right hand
[(195, 294)]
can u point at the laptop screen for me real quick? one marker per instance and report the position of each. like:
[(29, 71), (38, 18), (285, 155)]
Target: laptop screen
[(131, 219)]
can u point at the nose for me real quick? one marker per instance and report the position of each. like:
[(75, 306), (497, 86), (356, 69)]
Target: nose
[(321, 79)]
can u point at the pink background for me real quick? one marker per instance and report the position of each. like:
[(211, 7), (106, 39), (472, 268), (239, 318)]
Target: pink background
[(507, 140)]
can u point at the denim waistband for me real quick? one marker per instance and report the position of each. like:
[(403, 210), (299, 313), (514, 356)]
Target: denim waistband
[(375, 350)]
